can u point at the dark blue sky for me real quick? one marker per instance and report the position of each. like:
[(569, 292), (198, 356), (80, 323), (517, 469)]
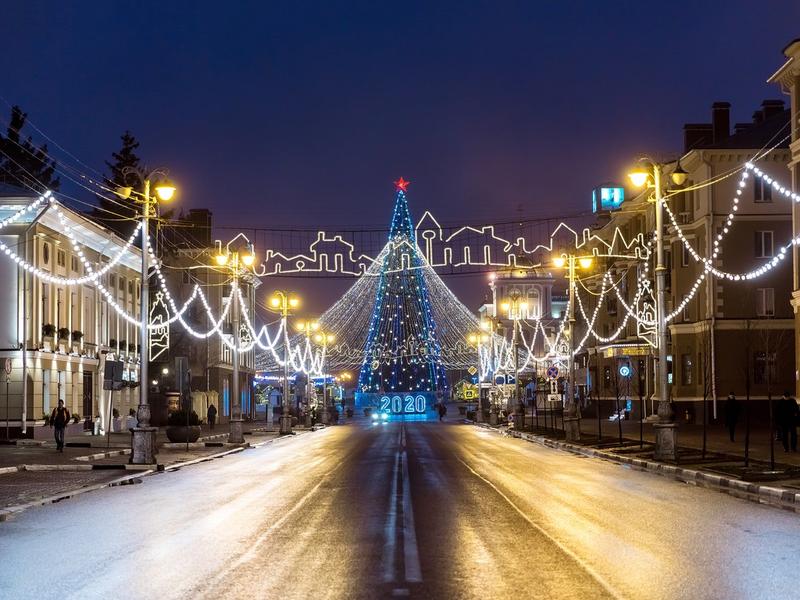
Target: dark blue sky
[(303, 113)]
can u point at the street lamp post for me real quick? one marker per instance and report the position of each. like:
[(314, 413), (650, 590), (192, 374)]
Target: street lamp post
[(234, 262), (324, 339), (281, 302), (475, 339), (516, 307), (572, 417), (649, 173), (143, 445)]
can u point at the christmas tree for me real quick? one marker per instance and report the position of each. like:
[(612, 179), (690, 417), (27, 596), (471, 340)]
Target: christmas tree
[(402, 352)]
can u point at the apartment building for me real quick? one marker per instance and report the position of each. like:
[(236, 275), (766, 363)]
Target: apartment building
[(727, 336)]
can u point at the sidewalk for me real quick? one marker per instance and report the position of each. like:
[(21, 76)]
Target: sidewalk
[(722, 468), (691, 436), (34, 474)]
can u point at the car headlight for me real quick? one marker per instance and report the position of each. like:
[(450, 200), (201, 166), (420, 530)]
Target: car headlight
[(384, 416), (374, 416)]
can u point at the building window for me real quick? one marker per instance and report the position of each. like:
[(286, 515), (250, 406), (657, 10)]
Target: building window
[(130, 289), (765, 302), (46, 391), (61, 258), (763, 244), (74, 264), (686, 369), (112, 280), (764, 369), (685, 255), (46, 253), (611, 305), (121, 284), (762, 191), (687, 310)]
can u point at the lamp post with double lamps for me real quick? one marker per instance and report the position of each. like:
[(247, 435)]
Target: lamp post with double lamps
[(476, 340), (143, 445), (282, 302), (572, 417), (516, 307), (236, 263), (650, 173), (322, 338)]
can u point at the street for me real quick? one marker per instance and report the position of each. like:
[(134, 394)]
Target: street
[(417, 509)]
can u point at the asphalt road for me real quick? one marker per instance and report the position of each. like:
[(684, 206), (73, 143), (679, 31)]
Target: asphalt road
[(403, 509)]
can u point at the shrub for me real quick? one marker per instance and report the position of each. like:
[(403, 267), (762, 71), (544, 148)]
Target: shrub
[(63, 333), (48, 330), (76, 417), (112, 342), (178, 418), (77, 336)]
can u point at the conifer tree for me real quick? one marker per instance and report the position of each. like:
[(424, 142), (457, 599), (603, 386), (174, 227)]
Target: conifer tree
[(22, 163)]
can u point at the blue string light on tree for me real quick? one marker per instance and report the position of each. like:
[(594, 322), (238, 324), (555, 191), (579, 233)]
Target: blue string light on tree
[(402, 354)]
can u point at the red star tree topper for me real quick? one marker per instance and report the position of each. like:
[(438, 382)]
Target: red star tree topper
[(402, 185)]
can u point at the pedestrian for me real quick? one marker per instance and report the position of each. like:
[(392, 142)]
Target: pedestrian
[(59, 419), (731, 414), (131, 422), (442, 410), (212, 416), (786, 416)]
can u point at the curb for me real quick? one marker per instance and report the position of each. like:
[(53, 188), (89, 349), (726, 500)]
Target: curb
[(101, 455), (144, 470), (7, 513), (763, 494)]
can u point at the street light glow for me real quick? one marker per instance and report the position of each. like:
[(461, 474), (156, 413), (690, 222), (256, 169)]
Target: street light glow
[(165, 190)]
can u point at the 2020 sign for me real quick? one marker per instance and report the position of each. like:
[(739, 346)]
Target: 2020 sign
[(403, 405)]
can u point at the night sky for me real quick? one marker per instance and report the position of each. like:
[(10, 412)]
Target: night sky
[(296, 113)]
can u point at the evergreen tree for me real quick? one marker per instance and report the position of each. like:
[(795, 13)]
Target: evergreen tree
[(114, 212), (22, 163), (402, 351)]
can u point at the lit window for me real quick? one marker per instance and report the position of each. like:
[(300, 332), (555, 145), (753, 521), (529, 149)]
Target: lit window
[(765, 302)]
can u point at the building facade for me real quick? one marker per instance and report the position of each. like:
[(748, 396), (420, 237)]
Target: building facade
[(788, 78), (188, 258), (56, 338), (727, 336)]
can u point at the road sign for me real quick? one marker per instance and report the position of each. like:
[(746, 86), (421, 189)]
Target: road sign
[(552, 372), (472, 370), (8, 366)]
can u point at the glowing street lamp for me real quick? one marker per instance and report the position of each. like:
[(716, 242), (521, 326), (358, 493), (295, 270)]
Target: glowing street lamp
[(571, 413), (648, 172), (143, 445), (283, 302), (235, 262)]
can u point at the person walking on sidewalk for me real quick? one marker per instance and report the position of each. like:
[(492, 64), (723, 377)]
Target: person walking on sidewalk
[(442, 410), (212, 416), (787, 413), (731, 414), (59, 419)]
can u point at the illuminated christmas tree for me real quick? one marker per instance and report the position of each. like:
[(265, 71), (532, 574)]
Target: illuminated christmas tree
[(402, 353)]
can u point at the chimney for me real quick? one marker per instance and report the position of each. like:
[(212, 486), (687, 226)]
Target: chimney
[(770, 108), (758, 117), (721, 121), (696, 134), (740, 127)]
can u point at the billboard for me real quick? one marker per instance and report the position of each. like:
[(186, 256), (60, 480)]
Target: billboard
[(607, 197)]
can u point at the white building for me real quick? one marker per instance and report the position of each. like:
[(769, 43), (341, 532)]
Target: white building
[(55, 337)]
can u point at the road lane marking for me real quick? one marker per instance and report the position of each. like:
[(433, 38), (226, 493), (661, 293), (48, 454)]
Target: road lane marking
[(581, 563), (389, 550), (411, 552)]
